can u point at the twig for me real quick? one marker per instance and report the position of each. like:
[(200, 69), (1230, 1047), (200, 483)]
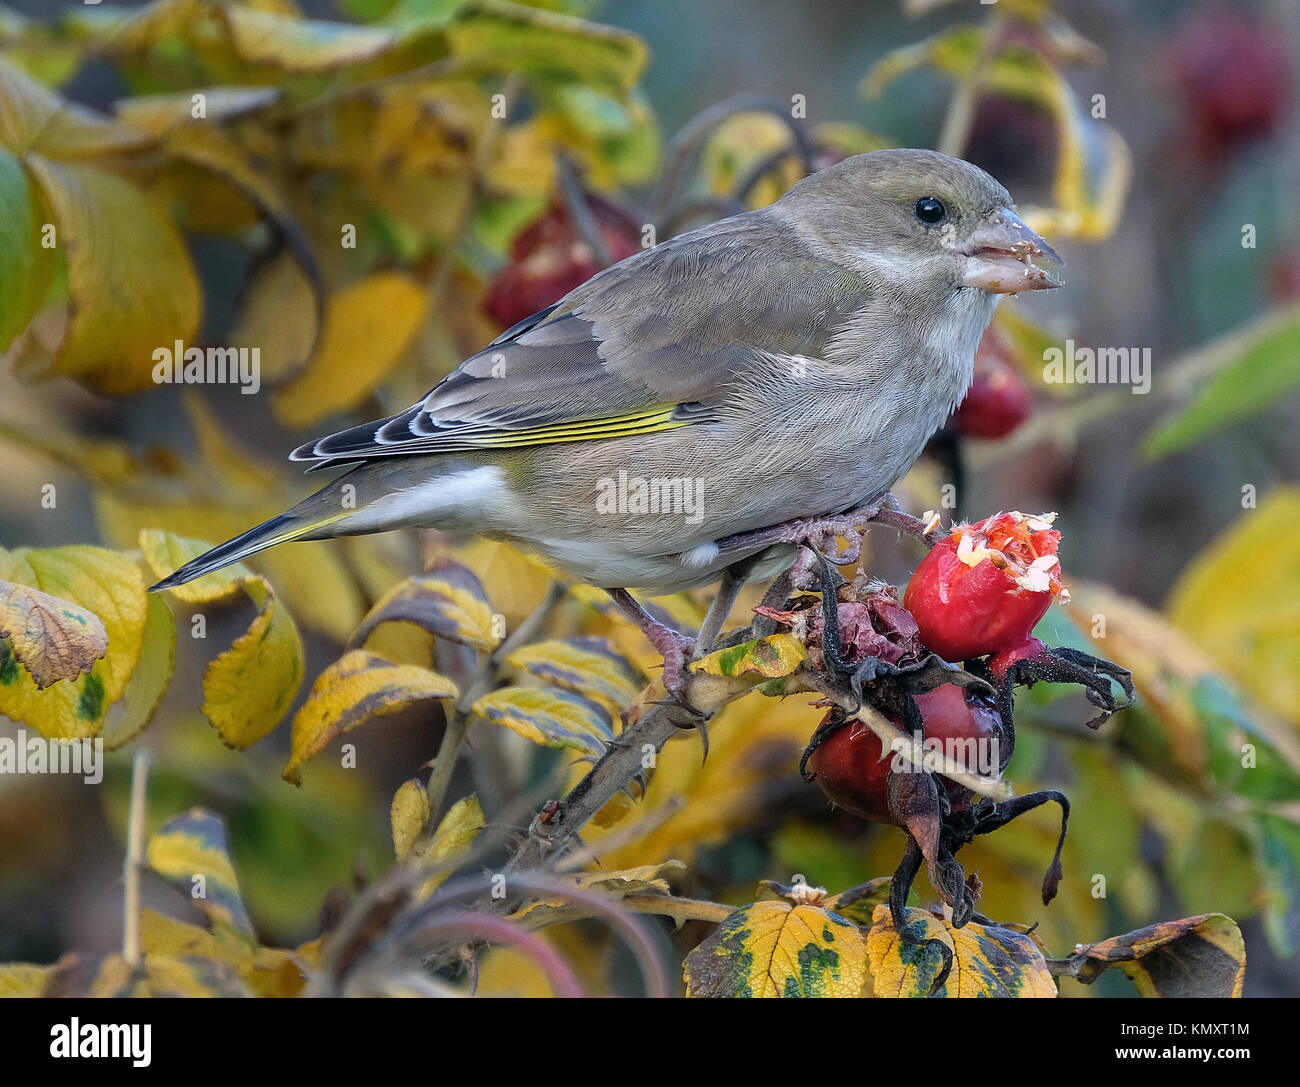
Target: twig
[(690, 909), (487, 678), (681, 147), (482, 159), (134, 863), (612, 772), (961, 109), (575, 203)]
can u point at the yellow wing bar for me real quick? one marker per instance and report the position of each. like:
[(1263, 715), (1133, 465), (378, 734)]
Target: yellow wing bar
[(620, 426)]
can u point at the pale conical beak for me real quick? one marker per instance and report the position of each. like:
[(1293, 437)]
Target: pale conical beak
[(999, 256)]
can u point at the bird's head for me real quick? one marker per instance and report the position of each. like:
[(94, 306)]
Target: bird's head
[(921, 218)]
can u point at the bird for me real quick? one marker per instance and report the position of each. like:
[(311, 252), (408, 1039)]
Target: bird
[(678, 418)]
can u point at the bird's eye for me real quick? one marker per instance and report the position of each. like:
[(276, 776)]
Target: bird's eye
[(929, 210)]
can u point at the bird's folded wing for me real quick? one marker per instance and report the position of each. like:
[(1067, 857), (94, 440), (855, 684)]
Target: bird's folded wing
[(650, 344)]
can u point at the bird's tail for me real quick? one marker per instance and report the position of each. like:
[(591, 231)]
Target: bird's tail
[(347, 506), (279, 529)]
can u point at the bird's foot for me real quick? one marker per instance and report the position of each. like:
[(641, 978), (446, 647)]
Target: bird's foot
[(675, 647), (816, 531)]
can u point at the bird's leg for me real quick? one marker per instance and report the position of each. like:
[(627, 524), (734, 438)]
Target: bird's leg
[(819, 531), (675, 647), (733, 580), (811, 530)]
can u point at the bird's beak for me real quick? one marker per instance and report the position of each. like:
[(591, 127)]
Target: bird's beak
[(999, 256)]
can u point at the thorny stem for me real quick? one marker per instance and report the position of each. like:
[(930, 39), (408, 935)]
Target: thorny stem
[(487, 678), (622, 761), (134, 863)]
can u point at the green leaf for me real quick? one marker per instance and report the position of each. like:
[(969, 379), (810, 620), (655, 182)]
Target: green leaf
[(1253, 368), (1279, 861), (764, 658), (26, 268)]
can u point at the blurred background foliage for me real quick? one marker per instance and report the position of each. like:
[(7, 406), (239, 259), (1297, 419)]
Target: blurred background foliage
[(369, 191)]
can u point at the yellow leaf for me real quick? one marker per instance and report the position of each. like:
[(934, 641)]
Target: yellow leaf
[(525, 163), (1201, 956), (550, 717), (132, 289), (987, 960), (586, 665), (52, 638), (779, 949), (35, 118), (266, 971), (692, 803), (164, 552), (409, 815), (301, 45), (764, 658), (23, 979), (740, 143), (496, 563), (516, 37), (1239, 600), (448, 602), (646, 879), (278, 314), (190, 976), (190, 852), (158, 114), (109, 586), (250, 687), (355, 688), (368, 327), (455, 834), (128, 716)]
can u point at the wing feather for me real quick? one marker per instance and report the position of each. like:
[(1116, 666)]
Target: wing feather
[(649, 344)]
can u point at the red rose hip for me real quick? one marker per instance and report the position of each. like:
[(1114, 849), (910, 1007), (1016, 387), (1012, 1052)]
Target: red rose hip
[(983, 588)]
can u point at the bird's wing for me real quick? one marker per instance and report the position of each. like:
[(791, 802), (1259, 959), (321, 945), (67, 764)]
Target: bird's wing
[(649, 344)]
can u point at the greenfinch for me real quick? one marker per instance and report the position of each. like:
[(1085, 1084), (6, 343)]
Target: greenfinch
[(785, 363)]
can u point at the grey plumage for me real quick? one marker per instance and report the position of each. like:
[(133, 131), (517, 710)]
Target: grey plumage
[(783, 363)]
